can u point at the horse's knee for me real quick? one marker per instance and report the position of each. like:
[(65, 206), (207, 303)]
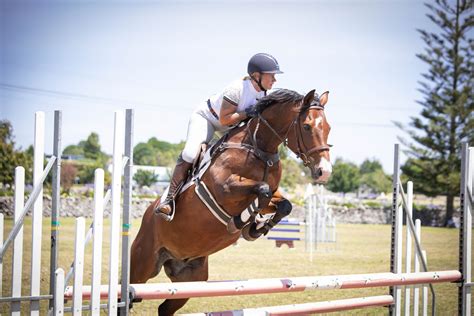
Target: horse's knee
[(264, 195), (263, 190)]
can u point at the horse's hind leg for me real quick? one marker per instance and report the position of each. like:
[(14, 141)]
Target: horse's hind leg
[(179, 271)]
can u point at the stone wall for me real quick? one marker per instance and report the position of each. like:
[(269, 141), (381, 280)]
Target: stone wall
[(74, 207), (358, 214)]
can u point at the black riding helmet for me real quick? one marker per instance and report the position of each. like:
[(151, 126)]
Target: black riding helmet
[(263, 63)]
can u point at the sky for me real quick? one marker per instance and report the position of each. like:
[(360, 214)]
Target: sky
[(162, 58)]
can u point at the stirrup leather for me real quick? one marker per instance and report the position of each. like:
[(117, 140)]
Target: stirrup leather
[(171, 201)]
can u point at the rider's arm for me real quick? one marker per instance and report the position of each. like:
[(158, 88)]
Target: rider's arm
[(229, 115)]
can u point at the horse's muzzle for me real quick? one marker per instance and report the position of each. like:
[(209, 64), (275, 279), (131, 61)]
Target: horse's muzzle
[(321, 172), (320, 176)]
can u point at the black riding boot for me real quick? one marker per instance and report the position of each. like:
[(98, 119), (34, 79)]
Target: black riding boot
[(180, 173)]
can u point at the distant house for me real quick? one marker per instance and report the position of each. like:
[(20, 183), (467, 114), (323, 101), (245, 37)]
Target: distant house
[(163, 173), (72, 157), (67, 157)]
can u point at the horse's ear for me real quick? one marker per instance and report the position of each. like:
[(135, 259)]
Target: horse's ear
[(308, 98), (323, 99)]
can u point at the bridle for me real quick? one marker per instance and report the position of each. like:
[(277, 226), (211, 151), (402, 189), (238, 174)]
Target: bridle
[(302, 151)]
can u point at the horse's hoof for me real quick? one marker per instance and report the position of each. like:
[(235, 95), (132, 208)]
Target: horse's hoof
[(249, 233)]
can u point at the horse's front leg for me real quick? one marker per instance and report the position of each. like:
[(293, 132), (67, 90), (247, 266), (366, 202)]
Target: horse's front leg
[(240, 186), (278, 205)]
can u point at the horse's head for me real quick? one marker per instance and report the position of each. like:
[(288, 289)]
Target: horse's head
[(302, 122), (308, 136)]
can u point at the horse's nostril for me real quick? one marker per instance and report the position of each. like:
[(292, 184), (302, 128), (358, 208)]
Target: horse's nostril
[(317, 173)]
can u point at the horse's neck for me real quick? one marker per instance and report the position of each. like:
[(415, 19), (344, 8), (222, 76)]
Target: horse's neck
[(265, 137)]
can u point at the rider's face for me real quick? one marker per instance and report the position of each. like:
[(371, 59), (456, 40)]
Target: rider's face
[(268, 80)]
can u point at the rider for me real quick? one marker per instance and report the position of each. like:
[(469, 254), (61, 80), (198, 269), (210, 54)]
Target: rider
[(220, 113)]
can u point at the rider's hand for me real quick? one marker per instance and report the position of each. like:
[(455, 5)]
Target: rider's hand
[(251, 111)]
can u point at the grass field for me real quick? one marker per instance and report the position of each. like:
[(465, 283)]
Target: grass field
[(360, 249)]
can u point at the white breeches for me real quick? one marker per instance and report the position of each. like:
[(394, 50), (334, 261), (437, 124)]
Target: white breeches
[(200, 130)]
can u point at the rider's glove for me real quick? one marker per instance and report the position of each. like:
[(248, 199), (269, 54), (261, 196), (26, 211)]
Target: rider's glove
[(251, 111)]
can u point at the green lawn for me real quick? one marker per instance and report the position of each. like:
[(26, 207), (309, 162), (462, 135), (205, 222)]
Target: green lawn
[(359, 249)]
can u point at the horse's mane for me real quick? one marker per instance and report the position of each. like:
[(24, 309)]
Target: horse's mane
[(279, 96)]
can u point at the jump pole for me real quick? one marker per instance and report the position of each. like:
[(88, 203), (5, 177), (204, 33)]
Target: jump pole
[(97, 243), (119, 131), (17, 260), (465, 230), (55, 204), (306, 308), (126, 220), (416, 291), (395, 241), (37, 216), (277, 285), (408, 250)]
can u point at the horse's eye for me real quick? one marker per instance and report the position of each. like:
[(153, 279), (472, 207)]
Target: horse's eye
[(307, 127)]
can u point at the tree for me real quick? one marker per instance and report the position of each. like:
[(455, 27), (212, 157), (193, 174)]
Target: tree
[(68, 176), (86, 171), (369, 166), (92, 147), (10, 157), (373, 176), (144, 154), (344, 178), (89, 148), (74, 150), (157, 153), (292, 173), (377, 180), (145, 178), (448, 103)]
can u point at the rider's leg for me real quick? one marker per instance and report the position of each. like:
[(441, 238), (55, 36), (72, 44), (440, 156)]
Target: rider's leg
[(199, 131), (180, 174)]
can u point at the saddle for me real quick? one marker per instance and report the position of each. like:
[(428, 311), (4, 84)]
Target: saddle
[(202, 161)]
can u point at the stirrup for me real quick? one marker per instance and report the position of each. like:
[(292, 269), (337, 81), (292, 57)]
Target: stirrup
[(166, 217)]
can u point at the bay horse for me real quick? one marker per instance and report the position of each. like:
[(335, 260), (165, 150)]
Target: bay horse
[(246, 169)]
